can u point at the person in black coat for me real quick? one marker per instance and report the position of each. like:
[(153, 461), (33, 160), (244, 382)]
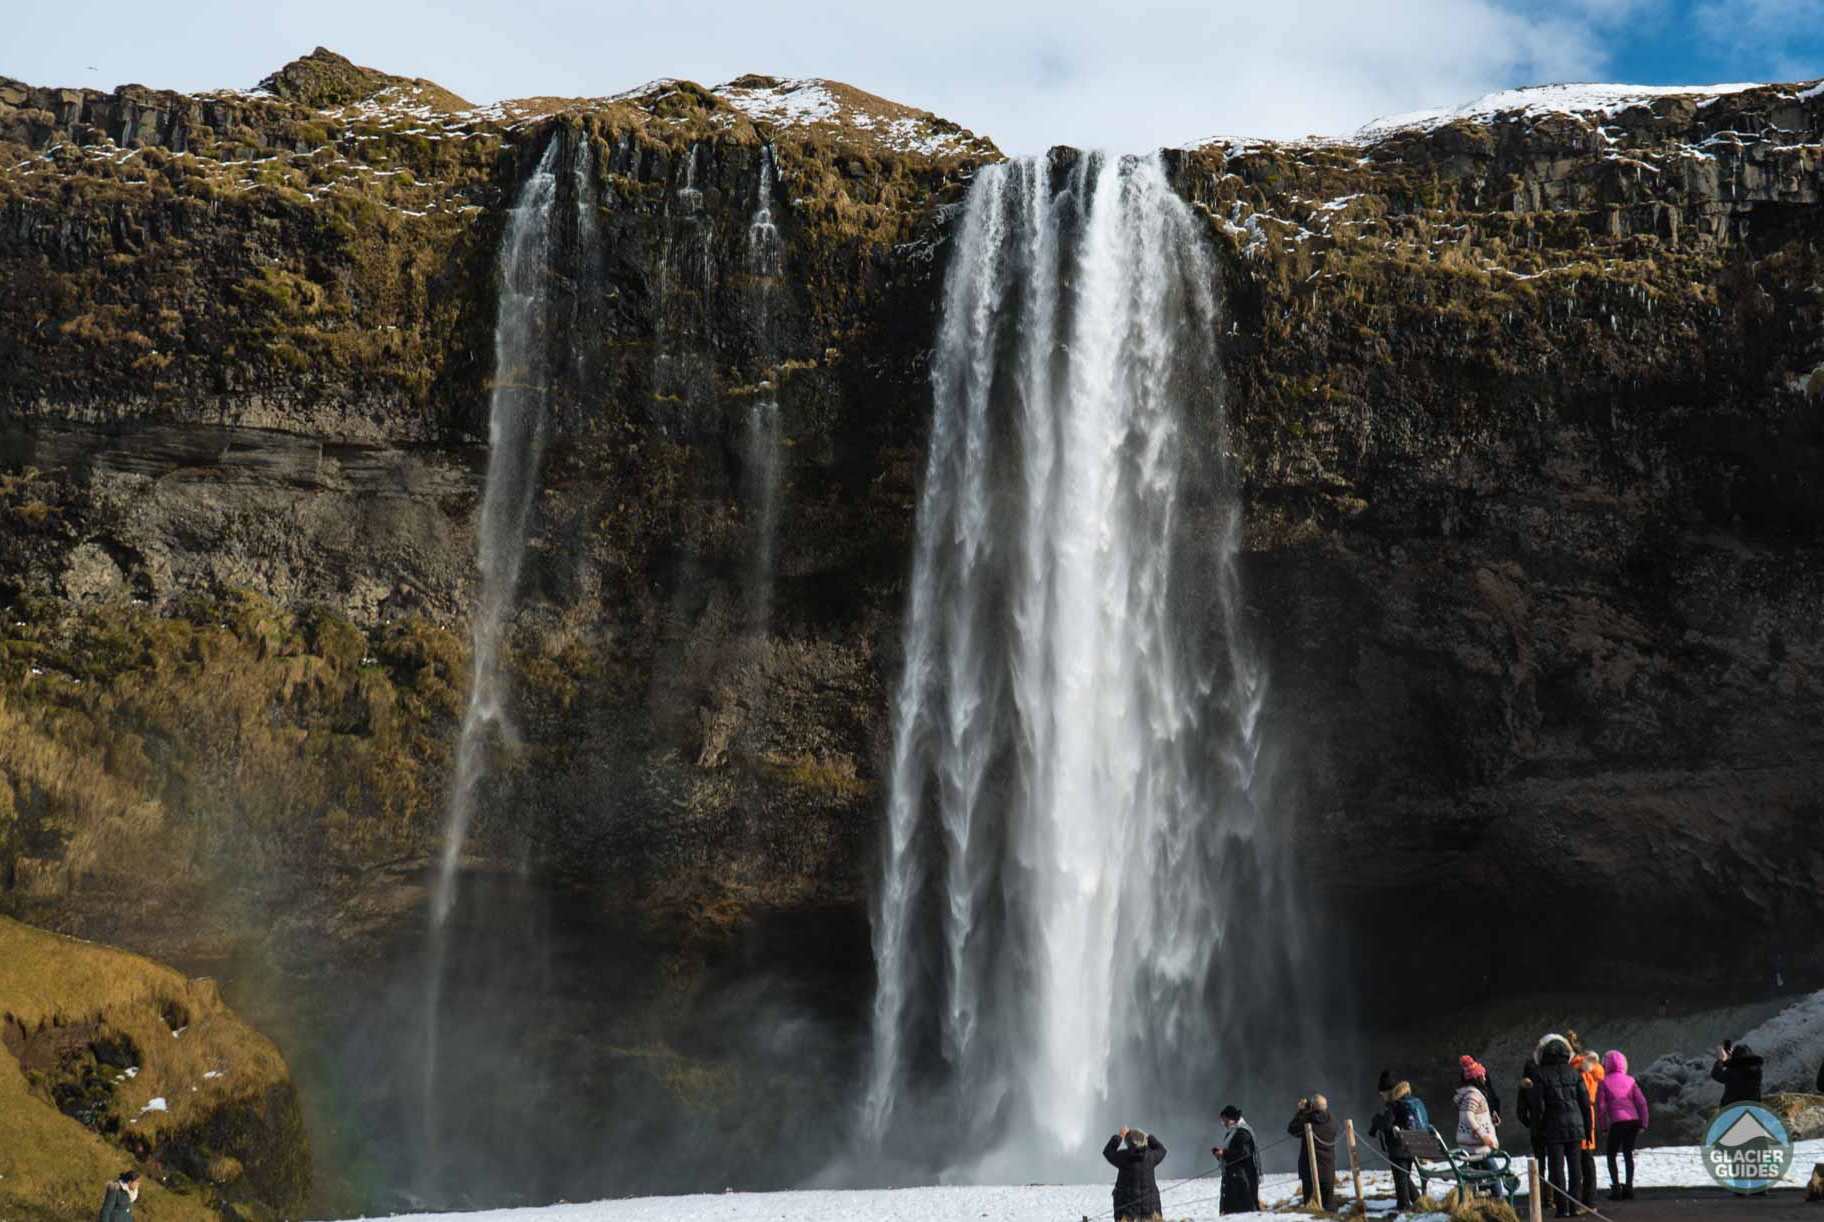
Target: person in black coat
[(1523, 1105), (1559, 1104), (1133, 1155), (1738, 1068), (1315, 1112), (1398, 1116), (1240, 1155)]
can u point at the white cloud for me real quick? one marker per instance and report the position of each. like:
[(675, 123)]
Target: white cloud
[(1025, 72)]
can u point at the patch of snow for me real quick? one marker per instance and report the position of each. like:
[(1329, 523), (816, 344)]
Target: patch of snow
[(213, 1073), (1538, 101), (157, 1104), (1195, 1199), (794, 103), (1816, 91)]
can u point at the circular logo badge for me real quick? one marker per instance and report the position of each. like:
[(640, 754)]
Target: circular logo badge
[(1747, 1149)]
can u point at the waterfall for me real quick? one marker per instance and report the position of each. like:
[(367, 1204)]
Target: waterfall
[(765, 265), (516, 439), (1073, 817), (518, 414)]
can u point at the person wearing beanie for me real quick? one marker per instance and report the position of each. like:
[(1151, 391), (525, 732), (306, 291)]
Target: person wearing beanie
[(117, 1201), (1485, 1082), (1134, 1154), (1240, 1155), (1621, 1109), (1476, 1124), (1321, 1187), (1559, 1102)]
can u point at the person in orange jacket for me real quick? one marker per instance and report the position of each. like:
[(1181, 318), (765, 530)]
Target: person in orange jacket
[(1590, 1066)]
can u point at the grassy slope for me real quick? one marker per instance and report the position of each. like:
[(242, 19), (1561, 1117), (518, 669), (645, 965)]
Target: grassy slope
[(53, 1167)]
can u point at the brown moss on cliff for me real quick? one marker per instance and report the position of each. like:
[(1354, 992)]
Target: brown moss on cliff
[(231, 739)]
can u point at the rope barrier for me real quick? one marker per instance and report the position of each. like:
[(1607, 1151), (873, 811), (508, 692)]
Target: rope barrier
[(1543, 1183), (1202, 1175), (1397, 1169)]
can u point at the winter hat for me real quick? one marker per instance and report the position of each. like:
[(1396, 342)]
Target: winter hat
[(1386, 1082), (1231, 1112), (1473, 1071)]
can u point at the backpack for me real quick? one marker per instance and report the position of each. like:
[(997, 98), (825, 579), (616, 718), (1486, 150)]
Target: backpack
[(1416, 1113)]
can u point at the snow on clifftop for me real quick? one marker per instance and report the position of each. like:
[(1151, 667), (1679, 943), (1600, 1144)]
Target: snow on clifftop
[(1537, 101), (808, 102), (1531, 102)]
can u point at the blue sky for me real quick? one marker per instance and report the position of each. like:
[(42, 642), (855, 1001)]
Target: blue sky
[(1027, 72)]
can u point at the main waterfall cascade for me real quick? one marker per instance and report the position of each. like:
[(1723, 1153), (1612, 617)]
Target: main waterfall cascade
[(1075, 926)]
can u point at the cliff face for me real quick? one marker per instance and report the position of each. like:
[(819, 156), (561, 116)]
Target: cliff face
[(1529, 406), (1534, 410)]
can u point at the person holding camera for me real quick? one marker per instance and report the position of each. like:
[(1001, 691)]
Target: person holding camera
[(1738, 1068), (1321, 1187), (1134, 1155)]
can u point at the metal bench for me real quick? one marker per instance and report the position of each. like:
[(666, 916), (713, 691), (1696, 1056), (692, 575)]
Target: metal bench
[(1432, 1160)]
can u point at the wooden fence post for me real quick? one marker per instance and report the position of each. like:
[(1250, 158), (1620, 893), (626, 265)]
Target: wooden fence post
[(1316, 1189), (1535, 1204), (1355, 1171)]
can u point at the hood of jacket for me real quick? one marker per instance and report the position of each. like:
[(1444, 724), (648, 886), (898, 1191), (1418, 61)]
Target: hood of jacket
[(1615, 1062), (1743, 1056), (1553, 1050)]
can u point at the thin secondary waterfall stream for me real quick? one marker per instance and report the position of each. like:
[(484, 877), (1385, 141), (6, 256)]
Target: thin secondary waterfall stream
[(1073, 823), (765, 264), (518, 420)]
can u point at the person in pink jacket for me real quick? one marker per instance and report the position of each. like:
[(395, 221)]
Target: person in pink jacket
[(1621, 1109)]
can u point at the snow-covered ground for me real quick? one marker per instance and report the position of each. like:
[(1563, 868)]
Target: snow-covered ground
[(1194, 1199)]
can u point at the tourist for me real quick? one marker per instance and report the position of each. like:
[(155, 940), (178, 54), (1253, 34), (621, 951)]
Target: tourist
[(1134, 1154), (1621, 1110), (1821, 1078), (1475, 1122), (117, 1202), (1524, 1103), (1403, 1112), (1589, 1065), (1484, 1083), (1315, 1111), (1738, 1068), (1559, 1103), (1240, 1156)]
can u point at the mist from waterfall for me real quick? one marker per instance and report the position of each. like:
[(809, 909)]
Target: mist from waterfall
[(760, 445), (1076, 818)]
